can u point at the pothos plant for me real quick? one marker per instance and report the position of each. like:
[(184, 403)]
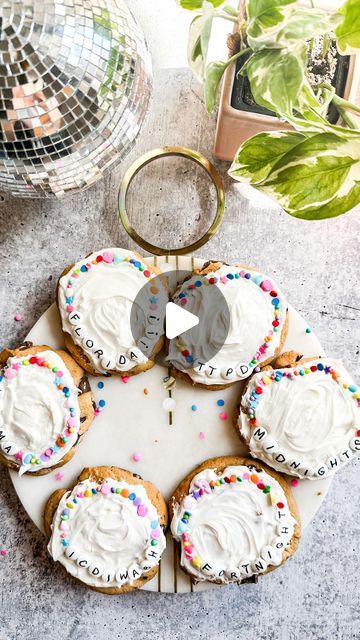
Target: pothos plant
[(312, 171)]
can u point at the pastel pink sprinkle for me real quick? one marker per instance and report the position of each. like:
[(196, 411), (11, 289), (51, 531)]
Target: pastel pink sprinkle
[(223, 415), (64, 526), (3, 552), (59, 374), (16, 366), (246, 476), (137, 456), (266, 285), (71, 422), (125, 379), (202, 435), (105, 489), (155, 534), (18, 317), (59, 475), (142, 510), (108, 257), (189, 550), (69, 308), (10, 373), (48, 453), (153, 307), (223, 279), (294, 482), (183, 301)]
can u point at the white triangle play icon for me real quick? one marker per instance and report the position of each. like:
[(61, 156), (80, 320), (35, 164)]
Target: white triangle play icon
[(178, 320)]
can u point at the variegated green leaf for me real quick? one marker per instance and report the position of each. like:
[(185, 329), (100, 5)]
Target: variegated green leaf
[(265, 19), (348, 31), (198, 42), (304, 24), (276, 77), (196, 5), (319, 178), (258, 155), (213, 75)]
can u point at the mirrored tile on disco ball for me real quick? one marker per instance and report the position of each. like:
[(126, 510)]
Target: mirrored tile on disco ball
[(75, 83)]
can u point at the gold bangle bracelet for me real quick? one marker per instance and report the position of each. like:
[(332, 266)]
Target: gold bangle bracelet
[(142, 162)]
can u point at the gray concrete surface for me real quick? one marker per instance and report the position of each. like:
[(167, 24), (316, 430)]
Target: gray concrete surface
[(315, 595)]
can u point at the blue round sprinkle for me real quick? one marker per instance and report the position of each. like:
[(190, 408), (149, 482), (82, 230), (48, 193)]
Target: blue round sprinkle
[(83, 268), (132, 261), (320, 366), (220, 403), (247, 276), (352, 389), (189, 359), (102, 403), (132, 496), (154, 524), (230, 276), (193, 407), (93, 491), (65, 390), (112, 489), (100, 385), (66, 512), (137, 264), (198, 283), (275, 301), (181, 295)]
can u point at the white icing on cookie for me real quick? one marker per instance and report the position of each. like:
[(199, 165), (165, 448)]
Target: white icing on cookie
[(104, 537), (302, 420), (229, 529), (255, 303), (95, 301), (39, 422)]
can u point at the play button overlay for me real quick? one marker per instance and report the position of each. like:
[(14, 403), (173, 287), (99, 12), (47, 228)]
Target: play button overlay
[(178, 320), (188, 309)]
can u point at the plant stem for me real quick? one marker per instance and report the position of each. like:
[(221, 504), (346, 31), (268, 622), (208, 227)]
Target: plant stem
[(226, 16), (341, 102), (347, 118), (238, 55)]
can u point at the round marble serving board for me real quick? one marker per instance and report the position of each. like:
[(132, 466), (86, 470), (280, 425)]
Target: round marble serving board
[(168, 442)]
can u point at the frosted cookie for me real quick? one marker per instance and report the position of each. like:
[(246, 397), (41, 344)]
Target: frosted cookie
[(257, 329), (303, 418), (46, 406), (108, 530), (95, 298), (233, 518)]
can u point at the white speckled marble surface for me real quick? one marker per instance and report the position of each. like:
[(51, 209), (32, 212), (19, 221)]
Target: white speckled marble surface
[(315, 595)]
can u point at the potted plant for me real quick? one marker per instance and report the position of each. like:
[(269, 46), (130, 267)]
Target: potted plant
[(307, 155)]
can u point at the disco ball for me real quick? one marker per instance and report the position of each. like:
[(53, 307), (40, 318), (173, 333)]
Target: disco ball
[(75, 83)]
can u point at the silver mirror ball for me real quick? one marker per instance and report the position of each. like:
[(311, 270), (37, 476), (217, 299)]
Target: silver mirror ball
[(75, 83)]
